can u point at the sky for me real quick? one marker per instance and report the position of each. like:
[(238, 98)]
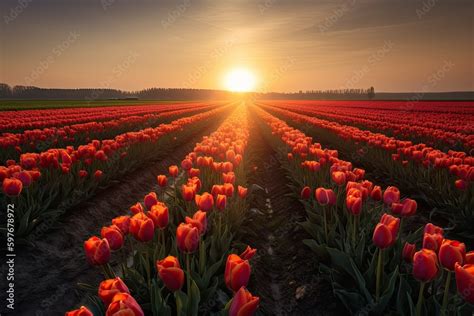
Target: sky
[(289, 45)]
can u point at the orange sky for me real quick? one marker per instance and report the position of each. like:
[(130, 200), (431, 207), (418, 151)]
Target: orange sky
[(394, 45)]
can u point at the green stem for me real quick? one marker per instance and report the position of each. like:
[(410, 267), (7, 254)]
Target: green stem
[(188, 268), (446, 294), (379, 275), (420, 299), (354, 231), (325, 225), (202, 256)]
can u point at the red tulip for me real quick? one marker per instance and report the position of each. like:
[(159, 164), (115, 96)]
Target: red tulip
[(173, 171), (243, 303), (248, 253), (82, 173), (451, 252), (391, 195), (187, 238), (432, 237), (123, 223), (186, 164), (159, 215), (150, 200), (108, 289), (124, 304), (338, 177), (386, 231), (465, 281), (237, 272), (376, 193), (193, 172), (221, 201), (199, 221), (228, 189), (114, 236), (25, 178), (170, 273), (142, 227), (469, 257), (162, 180), (461, 184), (408, 208), (242, 192), (325, 196), (354, 204), (228, 177), (137, 208), (425, 265), (205, 201), (306, 193), (98, 175), (188, 192), (408, 252), (97, 250), (82, 311), (12, 187)]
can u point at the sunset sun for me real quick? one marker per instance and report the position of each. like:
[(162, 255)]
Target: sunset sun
[(240, 80)]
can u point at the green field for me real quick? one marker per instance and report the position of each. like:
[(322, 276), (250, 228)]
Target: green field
[(8, 105)]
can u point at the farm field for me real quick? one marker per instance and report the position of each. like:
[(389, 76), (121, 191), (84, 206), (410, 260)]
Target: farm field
[(240, 207)]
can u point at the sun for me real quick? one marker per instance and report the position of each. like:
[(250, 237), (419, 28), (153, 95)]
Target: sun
[(240, 80)]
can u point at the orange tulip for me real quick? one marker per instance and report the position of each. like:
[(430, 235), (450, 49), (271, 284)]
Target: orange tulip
[(162, 180), (173, 171), (237, 272), (123, 223), (124, 304), (425, 265), (199, 221), (408, 252), (386, 231), (243, 303), (114, 236), (150, 200), (338, 177), (465, 281), (142, 227), (205, 201), (469, 257), (186, 164), (391, 195), (188, 192), (160, 215), (12, 187), (187, 238), (242, 192), (221, 201), (108, 289), (97, 250), (325, 196), (137, 208), (170, 273), (432, 237), (228, 177), (82, 311), (450, 253), (376, 193), (228, 189)]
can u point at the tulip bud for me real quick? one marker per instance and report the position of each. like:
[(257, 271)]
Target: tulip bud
[(187, 238), (123, 223), (338, 177), (188, 192), (25, 178), (124, 304), (465, 281), (137, 208), (425, 265), (228, 189), (186, 164), (150, 200), (83, 311), (205, 201), (114, 236), (159, 215), (97, 250), (243, 303), (242, 192), (142, 227), (12, 187), (376, 193), (108, 289), (391, 195), (461, 184), (221, 201), (170, 273), (82, 174), (199, 221), (386, 231), (451, 252), (98, 175), (409, 208), (408, 252), (354, 204), (237, 272), (325, 196), (173, 171), (248, 253), (162, 180), (306, 193)]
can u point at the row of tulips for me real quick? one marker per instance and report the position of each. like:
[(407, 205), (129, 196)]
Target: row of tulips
[(32, 119), (445, 184), (45, 185), (38, 140), (434, 128), (175, 253), (358, 236)]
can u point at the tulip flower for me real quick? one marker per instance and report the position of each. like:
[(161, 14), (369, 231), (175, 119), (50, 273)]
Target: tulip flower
[(123, 223), (12, 187), (408, 252), (98, 175), (306, 193), (376, 193), (391, 195), (193, 172), (465, 281), (242, 192), (469, 257), (150, 200), (406, 208), (325, 196), (221, 201), (97, 250), (162, 180), (450, 253), (114, 236), (461, 184), (142, 227), (173, 171), (205, 201), (188, 192), (228, 177), (432, 237), (425, 269), (25, 178), (248, 253), (170, 273), (186, 164), (82, 311), (354, 204), (228, 189), (82, 174), (108, 289), (237, 272), (338, 177), (124, 304), (187, 238), (386, 231), (159, 215), (199, 220), (243, 303), (137, 208)]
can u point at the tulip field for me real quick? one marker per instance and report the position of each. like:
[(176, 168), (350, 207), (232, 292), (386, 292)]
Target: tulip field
[(240, 208)]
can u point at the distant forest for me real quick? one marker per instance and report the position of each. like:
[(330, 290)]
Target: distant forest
[(36, 93)]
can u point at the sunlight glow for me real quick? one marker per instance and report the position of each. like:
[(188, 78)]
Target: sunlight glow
[(240, 80)]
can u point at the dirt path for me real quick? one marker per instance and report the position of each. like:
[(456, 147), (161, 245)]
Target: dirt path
[(48, 272), (284, 274)]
